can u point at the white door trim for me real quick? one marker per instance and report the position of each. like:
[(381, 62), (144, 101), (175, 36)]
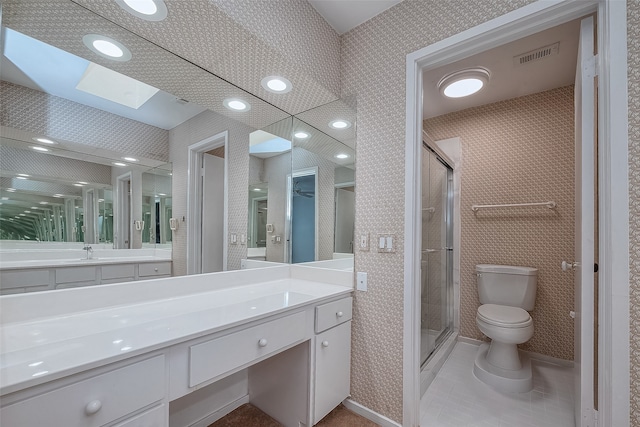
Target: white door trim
[(613, 191), (194, 203)]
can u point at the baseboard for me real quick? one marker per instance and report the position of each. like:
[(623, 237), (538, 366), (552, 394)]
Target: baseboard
[(381, 420), (215, 416), (549, 359), (533, 356)]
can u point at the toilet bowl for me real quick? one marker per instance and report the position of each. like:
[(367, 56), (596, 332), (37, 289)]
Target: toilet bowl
[(506, 293), (507, 327)]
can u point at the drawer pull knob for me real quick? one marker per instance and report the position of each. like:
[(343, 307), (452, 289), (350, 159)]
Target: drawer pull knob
[(339, 314), (155, 269), (93, 407), (325, 343), (262, 342)]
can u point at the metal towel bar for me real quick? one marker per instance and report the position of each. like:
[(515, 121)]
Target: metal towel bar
[(550, 205)]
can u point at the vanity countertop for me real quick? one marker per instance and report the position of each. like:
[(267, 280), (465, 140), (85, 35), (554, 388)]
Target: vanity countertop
[(37, 350), (47, 259)]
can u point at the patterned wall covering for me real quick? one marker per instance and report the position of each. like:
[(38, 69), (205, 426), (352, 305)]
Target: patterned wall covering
[(633, 46), (518, 151), (275, 174), (373, 68), (47, 115), (61, 169), (195, 130), (242, 42)]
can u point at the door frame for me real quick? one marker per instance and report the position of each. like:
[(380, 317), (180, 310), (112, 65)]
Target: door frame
[(194, 200), (122, 224), (613, 192), (288, 245)]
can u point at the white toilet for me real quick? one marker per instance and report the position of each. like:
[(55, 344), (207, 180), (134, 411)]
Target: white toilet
[(506, 294)]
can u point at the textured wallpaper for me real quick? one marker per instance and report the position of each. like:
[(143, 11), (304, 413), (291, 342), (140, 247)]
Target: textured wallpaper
[(633, 40), (47, 115), (195, 130), (373, 69), (519, 151)]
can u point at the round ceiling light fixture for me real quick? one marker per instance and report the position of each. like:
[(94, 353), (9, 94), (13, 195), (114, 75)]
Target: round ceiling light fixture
[(276, 84), (236, 104), (107, 47), (464, 82), (340, 124), (38, 148), (301, 135), (342, 156), (130, 159), (119, 164), (149, 10)]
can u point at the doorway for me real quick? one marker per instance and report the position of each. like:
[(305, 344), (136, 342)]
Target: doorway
[(301, 227), (207, 205), (122, 237), (525, 21)]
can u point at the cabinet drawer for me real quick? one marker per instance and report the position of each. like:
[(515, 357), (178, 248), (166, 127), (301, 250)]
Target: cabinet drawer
[(152, 418), (333, 313), (114, 395), (154, 269), (211, 359), (76, 274), (117, 271), (24, 278), (332, 369)]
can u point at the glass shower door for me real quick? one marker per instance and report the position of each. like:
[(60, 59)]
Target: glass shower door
[(437, 253)]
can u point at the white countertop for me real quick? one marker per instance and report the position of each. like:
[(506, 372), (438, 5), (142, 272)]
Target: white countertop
[(38, 350), (78, 262)]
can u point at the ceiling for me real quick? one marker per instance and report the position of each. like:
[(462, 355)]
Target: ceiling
[(344, 15), (507, 79)]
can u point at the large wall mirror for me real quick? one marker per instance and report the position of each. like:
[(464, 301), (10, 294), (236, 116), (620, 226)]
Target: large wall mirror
[(118, 135)]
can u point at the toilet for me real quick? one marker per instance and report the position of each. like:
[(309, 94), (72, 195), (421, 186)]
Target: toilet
[(507, 293)]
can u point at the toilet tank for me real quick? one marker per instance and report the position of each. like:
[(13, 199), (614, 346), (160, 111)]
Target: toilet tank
[(507, 285)]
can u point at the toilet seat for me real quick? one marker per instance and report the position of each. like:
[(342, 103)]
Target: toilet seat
[(504, 316)]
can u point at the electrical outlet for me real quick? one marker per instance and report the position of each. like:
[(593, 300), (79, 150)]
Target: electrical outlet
[(364, 242)]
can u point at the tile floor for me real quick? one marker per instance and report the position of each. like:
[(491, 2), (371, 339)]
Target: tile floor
[(456, 398)]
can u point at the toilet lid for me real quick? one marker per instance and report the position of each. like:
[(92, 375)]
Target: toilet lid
[(503, 314)]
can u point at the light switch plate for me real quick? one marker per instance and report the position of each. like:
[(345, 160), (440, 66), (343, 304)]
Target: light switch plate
[(361, 281), (386, 243)]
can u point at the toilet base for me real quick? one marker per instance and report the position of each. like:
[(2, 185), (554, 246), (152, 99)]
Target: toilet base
[(519, 381)]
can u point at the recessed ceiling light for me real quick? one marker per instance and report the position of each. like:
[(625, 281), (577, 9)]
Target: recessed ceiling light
[(340, 124), (342, 156), (58, 195), (130, 159), (107, 47), (44, 203), (21, 177), (150, 10), (463, 82), (301, 135), (257, 189), (236, 104), (11, 190), (5, 198), (34, 207), (100, 200), (22, 214), (120, 164), (37, 148), (44, 140), (27, 211), (276, 84), (83, 183), (23, 174), (161, 194), (78, 184)]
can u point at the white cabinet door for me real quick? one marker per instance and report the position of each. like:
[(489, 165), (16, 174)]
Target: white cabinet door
[(332, 370)]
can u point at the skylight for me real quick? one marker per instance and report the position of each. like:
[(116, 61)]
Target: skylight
[(108, 84)]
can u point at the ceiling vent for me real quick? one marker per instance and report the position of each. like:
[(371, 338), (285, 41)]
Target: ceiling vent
[(537, 54)]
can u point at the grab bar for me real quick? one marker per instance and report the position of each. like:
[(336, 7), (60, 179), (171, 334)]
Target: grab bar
[(430, 251), (550, 205)]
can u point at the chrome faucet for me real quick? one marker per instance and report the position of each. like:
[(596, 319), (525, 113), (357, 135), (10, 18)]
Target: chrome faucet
[(89, 250)]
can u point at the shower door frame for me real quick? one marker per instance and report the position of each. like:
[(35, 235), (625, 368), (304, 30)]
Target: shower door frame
[(433, 149), (613, 190)]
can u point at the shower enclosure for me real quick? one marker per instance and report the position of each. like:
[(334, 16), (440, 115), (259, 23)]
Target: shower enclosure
[(437, 253)]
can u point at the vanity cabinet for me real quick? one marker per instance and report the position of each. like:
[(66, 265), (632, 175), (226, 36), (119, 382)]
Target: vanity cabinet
[(98, 400), (48, 278), (332, 350)]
